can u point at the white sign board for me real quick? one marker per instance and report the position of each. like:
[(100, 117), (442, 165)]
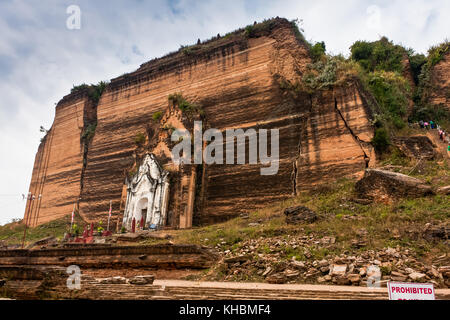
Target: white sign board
[(410, 291)]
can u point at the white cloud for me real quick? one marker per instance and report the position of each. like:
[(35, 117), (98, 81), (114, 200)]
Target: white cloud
[(40, 59)]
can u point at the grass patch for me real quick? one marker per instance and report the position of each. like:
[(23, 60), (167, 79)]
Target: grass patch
[(12, 233)]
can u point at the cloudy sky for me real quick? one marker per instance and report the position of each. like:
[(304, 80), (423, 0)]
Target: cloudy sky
[(41, 58)]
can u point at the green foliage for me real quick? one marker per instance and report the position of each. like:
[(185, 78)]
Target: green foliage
[(187, 50), (321, 74), (123, 229), (79, 87), (329, 71), (424, 87), (94, 91), (184, 105), (89, 132), (380, 140), (416, 62), (386, 270), (396, 158), (139, 139), (317, 50), (428, 112), (157, 115), (249, 31), (391, 91), (298, 32), (378, 55), (436, 53), (76, 229), (259, 29)]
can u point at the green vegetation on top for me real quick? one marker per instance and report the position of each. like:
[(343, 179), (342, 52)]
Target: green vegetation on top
[(94, 91), (317, 50), (267, 25), (436, 53), (258, 29), (381, 55)]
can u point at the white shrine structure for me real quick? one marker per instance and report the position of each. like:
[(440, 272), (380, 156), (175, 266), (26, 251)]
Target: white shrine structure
[(147, 195)]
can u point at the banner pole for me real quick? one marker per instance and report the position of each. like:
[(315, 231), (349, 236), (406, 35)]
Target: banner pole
[(109, 215)]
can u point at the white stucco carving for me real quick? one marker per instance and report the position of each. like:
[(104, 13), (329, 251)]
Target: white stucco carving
[(147, 194)]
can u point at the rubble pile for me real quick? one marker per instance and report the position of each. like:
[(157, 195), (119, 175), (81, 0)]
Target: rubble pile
[(294, 259)]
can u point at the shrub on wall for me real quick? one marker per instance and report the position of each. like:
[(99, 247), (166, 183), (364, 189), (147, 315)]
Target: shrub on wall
[(139, 139), (380, 140), (157, 115), (184, 105), (329, 71), (89, 132)]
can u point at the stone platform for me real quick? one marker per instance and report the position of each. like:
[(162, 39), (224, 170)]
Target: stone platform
[(107, 256)]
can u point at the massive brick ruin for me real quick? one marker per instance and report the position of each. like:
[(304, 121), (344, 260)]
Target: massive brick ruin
[(236, 80)]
